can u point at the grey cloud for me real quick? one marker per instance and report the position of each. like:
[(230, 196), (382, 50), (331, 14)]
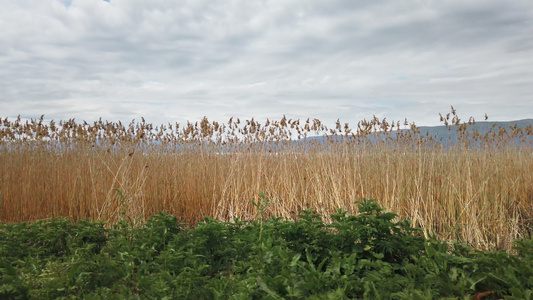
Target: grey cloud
[(324, 59)]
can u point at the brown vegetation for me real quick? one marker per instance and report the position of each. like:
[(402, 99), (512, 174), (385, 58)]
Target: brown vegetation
[(478, 194)]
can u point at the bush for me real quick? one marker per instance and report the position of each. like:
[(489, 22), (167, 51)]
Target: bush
[(371, 255)]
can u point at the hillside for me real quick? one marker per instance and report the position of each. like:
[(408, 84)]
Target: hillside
[(449, 134)]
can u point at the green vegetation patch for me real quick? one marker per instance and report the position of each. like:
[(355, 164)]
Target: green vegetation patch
[(371, 255)]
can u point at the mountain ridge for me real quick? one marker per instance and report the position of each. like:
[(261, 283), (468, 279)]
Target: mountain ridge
[(448, 132)]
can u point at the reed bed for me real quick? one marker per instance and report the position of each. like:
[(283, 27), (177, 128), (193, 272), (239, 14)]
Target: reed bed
[(478, 190)]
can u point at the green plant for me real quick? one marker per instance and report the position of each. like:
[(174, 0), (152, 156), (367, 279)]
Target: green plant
[(368, 255)]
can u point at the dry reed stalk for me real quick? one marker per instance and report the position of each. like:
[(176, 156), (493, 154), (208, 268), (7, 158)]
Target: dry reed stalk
[(481, 195)]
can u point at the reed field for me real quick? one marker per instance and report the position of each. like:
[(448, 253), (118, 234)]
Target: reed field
[(478, 190)]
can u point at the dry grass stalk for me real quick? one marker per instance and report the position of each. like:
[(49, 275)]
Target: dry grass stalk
[(479, 191)]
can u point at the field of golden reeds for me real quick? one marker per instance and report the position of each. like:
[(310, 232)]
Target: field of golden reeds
[(478, 190)]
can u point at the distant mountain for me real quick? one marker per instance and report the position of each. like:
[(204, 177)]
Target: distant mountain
[(449, 134), (481, 127)]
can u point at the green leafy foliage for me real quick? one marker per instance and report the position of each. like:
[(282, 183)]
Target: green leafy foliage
[(370, 255)]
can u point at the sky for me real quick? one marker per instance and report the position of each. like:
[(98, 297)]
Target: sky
[(178, 61)]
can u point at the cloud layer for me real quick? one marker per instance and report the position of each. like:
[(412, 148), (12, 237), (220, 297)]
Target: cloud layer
[(344, 59)]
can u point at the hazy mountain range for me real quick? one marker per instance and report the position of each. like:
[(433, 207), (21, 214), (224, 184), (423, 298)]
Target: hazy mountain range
[(451, 134)]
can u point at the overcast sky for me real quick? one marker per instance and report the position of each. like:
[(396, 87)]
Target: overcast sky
[(173, 61)]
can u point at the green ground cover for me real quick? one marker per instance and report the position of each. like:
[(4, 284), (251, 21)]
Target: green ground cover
[(370, 255)]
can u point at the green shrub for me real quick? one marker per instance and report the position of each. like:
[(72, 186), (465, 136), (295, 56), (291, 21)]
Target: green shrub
[(371, 255)]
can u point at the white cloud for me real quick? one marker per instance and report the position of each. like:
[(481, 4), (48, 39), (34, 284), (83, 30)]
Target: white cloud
[(172, 62)]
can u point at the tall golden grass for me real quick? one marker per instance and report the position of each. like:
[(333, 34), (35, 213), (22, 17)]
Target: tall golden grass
[(479, 191)]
